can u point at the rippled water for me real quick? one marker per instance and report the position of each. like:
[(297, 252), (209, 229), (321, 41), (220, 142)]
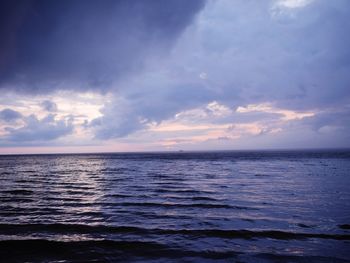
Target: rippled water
[(176, 207)]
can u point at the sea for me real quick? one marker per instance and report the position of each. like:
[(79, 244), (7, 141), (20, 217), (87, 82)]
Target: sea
[(228, 206)]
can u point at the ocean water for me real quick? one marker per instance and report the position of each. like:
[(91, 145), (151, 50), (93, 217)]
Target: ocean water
[(272, 206)]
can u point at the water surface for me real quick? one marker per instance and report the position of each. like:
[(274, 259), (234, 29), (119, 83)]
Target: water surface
[(274, 206)]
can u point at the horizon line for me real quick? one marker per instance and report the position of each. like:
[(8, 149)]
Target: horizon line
[(185, 151)]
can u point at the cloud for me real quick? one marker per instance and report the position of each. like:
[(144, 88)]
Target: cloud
[(267, 69), (9, 115), (37, 130), (253, 57), (48, 105), (292, 3), (84, 44), (249, 56), (331, 119)]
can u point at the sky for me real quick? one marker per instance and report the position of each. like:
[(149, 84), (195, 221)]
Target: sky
[(154, 75)]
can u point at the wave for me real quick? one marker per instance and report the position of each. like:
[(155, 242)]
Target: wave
[(178, 205), (13, 229), (18, 192), (34, 250)]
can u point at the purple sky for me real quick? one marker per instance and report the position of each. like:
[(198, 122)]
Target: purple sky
[(102, 76)]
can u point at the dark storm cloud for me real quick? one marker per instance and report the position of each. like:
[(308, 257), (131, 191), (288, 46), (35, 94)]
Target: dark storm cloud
[(76, 44)]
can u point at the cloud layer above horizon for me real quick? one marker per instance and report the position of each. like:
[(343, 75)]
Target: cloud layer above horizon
[(158, 75)]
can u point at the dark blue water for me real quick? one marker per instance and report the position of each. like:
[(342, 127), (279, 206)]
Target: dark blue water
[(176, 207)]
